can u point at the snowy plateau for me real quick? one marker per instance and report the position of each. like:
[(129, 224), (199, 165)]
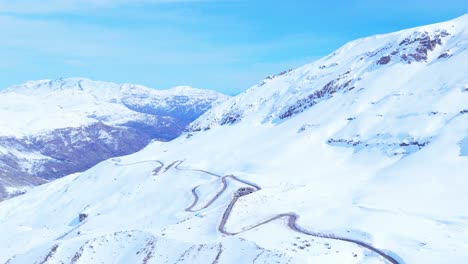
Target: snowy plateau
[(359, 157), (53, 128)]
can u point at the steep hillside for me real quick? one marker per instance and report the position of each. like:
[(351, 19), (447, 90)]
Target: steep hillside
[(53, 128), (369, 68), (345, 160)]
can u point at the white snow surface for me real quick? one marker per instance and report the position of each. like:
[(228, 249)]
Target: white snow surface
[(384, 163), (39, 106)]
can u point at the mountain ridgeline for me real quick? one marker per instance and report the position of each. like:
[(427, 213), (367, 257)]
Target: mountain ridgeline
[(58, 127)]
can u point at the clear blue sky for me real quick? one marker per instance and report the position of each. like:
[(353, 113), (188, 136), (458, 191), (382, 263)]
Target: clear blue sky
[(225, 45)]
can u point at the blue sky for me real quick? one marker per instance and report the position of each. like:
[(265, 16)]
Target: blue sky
[(224, 45)]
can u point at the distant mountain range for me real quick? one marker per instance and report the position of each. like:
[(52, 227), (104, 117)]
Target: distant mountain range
[(52, 128)]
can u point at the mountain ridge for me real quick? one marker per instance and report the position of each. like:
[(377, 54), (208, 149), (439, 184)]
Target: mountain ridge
[(76, 83), (305, 86), (57, 127)]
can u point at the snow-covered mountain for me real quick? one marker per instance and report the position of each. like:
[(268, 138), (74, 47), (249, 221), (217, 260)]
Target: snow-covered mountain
[(52, 128), (388, 62), (360, 157)]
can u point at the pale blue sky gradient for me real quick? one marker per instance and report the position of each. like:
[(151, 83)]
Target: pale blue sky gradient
[(221, 45)]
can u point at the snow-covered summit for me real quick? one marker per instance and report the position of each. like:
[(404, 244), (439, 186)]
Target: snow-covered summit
[(73, 102), (103, 90), (51, 128), (350, 69)]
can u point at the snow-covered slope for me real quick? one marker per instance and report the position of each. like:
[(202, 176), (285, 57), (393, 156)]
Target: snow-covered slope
[(373, 66), (52, 128), (316, 165)]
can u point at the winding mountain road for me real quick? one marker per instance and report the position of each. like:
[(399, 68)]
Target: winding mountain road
[(217, 195), (291, 216)]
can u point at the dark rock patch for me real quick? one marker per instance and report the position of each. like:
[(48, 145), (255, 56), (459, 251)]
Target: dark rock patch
[(444, 55), (420, 44), (391, 147), (244, 191), (341, 83), (384, 60), (271, 77), (230, 119), (82, 217)]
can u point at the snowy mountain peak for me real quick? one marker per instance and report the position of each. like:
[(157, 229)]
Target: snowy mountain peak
[(80, 99), (51, 128), (49, 85), (348, 70), (101, 88)]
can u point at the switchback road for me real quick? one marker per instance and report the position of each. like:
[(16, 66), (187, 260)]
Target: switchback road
[(291, 216)]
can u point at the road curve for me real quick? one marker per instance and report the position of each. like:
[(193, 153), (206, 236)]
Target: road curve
[(212, 200), (292, 224), (178, 162), (139, 162), (195, 201), (292, 217), (155, 171)]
